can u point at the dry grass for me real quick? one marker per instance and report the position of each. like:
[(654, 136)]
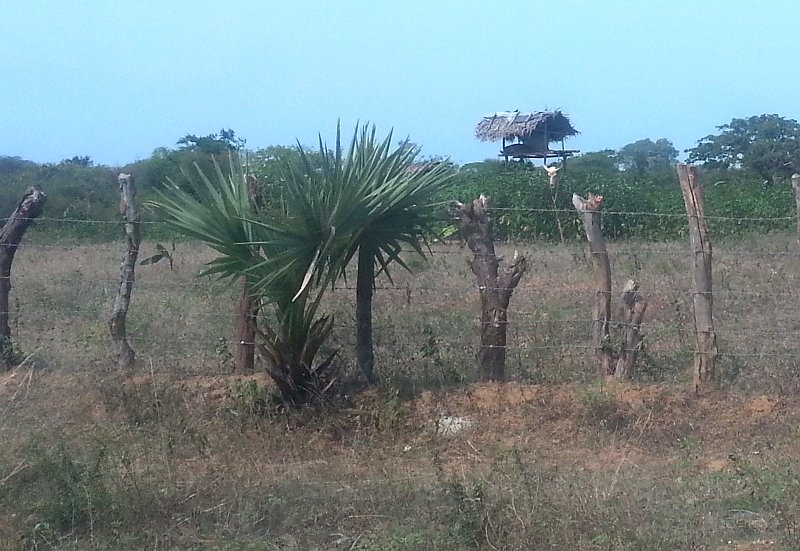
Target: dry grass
[(182, 454)]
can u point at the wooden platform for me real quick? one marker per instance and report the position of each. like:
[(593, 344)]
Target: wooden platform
[(550, 154)]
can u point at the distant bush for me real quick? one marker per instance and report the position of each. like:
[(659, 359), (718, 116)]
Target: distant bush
[(82, 201), (646, 205)]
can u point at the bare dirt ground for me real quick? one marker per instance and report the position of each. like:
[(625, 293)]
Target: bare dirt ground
[(610, 438), (181, 454)]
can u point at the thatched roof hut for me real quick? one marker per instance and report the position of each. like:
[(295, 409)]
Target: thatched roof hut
[(511, 125), (534, 132)]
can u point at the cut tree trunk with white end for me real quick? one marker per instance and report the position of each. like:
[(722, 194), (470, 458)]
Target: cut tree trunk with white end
[(123, 354), (614, 356), (590, 213), (705, 355), (495, 285)]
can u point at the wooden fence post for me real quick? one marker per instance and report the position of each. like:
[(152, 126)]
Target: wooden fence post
[(122, 352), (552, 173), (613, 358), (29, 208), (796, 188), (589, 210), (705, 355), (247, 309), (495, 285), (631, 315)]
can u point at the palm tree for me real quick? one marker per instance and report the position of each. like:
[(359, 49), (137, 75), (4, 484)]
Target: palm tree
[(278, 254), (387, 203), (369, 201)]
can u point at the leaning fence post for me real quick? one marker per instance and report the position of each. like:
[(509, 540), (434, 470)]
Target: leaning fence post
[(796, 188), (29, 207), (122, 352), (705, 355), (495, 285), (590, 213)]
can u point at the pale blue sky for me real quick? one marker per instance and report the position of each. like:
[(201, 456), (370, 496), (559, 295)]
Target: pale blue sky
[(116, 79)]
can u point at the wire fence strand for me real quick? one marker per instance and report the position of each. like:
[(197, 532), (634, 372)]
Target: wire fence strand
[(550, 311)]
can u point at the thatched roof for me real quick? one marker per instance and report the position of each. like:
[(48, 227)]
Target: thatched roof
[(515, 125)]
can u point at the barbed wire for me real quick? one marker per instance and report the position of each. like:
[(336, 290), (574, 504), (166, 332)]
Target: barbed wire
[(613, 253), (652, 328), (653, 214), (208, 285), (212, 346), (538, 210), (519, 320), (145, 344)]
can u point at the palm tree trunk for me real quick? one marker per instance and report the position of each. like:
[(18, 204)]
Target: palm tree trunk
[(365, 286)]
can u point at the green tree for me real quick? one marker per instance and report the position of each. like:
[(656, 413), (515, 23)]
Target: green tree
[(768, 145), (82, 161), (603, 161), (177, 164), (392, 201), (363, 201), (269, 166), (647, 155), (280, 257), (14, 165), (216, 144)]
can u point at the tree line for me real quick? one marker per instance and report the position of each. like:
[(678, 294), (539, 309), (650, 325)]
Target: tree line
[(745, 167)]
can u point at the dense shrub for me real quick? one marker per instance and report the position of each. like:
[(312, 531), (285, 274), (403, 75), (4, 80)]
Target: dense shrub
[(646, 205)]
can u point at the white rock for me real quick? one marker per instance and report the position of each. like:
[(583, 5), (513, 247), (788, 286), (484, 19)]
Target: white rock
[(447, 425)]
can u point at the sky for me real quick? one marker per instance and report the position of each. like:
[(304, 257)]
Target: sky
[(116, 79)]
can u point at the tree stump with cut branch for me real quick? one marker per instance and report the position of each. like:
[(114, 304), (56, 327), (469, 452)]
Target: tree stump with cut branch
[(29, 208), (631, 315), (612, 359), (122, 352), (494, 284), (705, 355)]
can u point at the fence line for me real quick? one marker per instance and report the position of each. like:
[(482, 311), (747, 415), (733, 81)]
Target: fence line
[(556, 249), (212, 283), (652, 327), (795, 354), (491, 210), (740, 339)]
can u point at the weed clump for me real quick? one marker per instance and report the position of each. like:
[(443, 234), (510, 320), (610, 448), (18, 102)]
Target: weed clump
[(63, 495), (601, 408)]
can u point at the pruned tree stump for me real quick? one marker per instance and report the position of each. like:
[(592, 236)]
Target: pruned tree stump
[(614, 356), (495, 285)]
